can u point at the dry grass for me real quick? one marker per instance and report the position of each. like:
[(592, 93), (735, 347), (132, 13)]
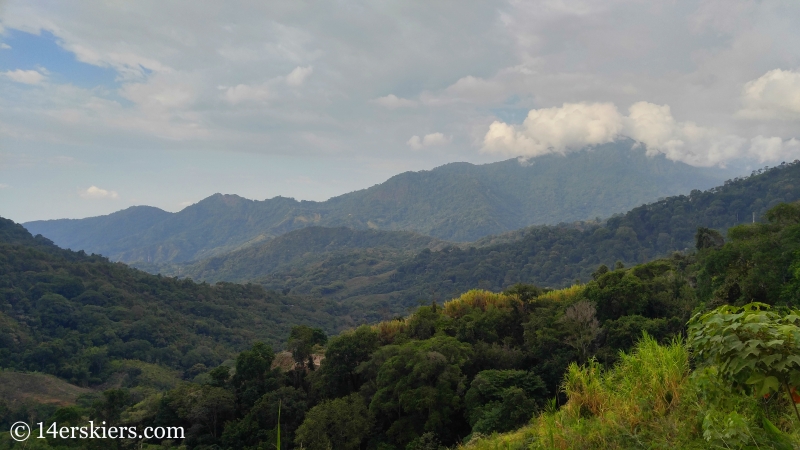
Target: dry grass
[(17, 388)]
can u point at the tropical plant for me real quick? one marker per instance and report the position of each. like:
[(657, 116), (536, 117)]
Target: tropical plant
[(755, 349)]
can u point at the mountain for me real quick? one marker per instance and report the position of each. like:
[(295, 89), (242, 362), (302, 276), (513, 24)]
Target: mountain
[(85, 319), (457, 202), (552, 256), (302, 248)]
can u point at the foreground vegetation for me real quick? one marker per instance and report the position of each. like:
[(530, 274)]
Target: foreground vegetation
[(486, 363), (652, 399)]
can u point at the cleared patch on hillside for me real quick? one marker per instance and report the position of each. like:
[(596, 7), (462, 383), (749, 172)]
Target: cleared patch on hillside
[(18, 387)]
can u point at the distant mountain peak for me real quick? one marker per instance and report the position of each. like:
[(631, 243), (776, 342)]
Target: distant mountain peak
[(456, 202)]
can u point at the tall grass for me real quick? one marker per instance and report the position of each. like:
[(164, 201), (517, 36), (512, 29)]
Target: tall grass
[(623, 407), (651, 400)]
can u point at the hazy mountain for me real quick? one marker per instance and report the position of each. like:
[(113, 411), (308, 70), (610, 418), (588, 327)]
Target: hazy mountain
[(552, 256), (457, 202), (303, 248)]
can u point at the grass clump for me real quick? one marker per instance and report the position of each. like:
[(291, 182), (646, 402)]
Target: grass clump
[(652, 399)]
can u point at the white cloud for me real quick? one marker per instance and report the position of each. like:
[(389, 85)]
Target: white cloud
[(95, 192), (774, 95), (555, 130), (26, 76), (4, 186), (774, 149), (655, 127), (575, 126), (298, 76), (247, 93), (429, 140), (392, 101), (4, 46)]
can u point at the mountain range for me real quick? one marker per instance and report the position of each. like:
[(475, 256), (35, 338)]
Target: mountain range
[(458, 202), (388, 276)]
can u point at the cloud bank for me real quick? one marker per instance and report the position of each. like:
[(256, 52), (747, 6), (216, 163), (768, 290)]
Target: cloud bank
[(574, 126)]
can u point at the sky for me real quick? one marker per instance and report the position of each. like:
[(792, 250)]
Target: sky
[(109, 104)]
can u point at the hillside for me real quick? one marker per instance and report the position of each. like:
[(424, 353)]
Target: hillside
[(85, 319), (547, 256), (609, 364), (303, 248), (455, 202)]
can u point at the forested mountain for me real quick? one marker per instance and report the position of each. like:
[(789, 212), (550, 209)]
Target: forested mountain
[(303, 248), (573, 367), (457, 202), (82, 317), (552, 256)]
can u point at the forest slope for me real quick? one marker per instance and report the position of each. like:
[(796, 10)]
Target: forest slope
[(303, 248), (552, 256), (79, 317), (457, 202)]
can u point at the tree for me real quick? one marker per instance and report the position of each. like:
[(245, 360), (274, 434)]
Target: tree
[(503, 400), (582, 326), (260, 425), (419, 389), (302, 340), (253, 377), (708, 238), (203, 404), (342, 356), (341, 423)]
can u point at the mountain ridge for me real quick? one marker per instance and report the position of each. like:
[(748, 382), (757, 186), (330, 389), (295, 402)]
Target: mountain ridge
[(458, 202)]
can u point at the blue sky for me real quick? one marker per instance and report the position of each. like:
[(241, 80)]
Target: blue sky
[(104, 105), (41, 51)]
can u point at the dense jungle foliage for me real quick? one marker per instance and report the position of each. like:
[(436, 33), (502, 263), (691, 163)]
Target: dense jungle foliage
[(80, 317), (489, 362), (446, 375), (457, 202)]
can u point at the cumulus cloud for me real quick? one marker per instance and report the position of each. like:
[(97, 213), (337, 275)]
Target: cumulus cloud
[(774, 95), (392, 101), (4, 46), (655, 127), (26, 76), (298, 76), (556, 130), (429, 140), (774, 149), (577, 125), (95, 192)]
